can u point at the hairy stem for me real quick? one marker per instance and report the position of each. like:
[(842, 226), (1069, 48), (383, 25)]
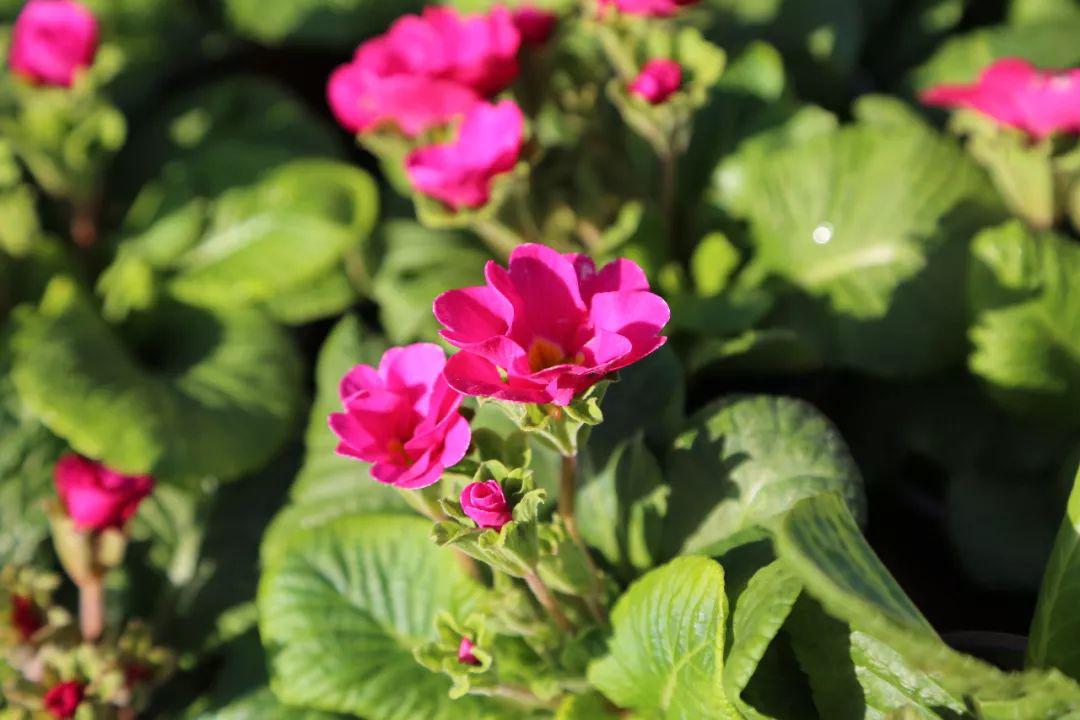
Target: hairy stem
[(501, 239), (668, 189), (92, 607), (567, 502), (547, 600), (516, 693)]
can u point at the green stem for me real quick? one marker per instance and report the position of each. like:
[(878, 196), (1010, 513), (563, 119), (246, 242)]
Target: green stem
[(501, 239), (547, 600), (567, 502), (515, 693), (668, 190)]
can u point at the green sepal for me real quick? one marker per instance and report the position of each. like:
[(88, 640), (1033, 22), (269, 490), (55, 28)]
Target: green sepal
[(560, 427), (85, 555), (442, 655)]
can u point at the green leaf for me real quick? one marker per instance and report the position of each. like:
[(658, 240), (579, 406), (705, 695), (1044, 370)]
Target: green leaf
[(420, 264), (343, 609), (261, 704), (1049, 42), (868, 226), (1026, 331), (1053, 641), (665, 657), (329, 485), (853, 676), (741, 461), (216, 395), (279, 235), (821, 544), (333, 23), (760, 612)]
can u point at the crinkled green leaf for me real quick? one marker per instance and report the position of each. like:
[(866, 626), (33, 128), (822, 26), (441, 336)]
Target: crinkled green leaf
[(216, 396), (343, 608), (741, 461), (1026, 332), (820, 543), (665, 657), (867, 225)]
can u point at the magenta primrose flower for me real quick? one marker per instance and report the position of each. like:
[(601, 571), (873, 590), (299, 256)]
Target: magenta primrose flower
[(52, 40), (460, 173), (648, 8), (95, 497), (1014, 93), (658, 80), (426, 70), (549, 326), (485, 503), (402, 417)]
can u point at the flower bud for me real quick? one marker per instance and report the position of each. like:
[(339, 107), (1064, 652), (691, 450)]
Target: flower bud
[(52, 40), (485, 503)]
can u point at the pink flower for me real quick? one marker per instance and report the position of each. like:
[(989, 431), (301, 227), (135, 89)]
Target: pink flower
[(63, 699), (648, 8), (658, 80), (534, 25), (460, 172), (465, 653), (402, 417), (52, 40), (25, 617), (426, 70), (1014, 93), (485, 503), (95, 497), (549, 327)]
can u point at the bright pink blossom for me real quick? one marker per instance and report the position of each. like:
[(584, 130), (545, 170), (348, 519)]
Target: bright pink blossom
[(658, 80), (63, 699), (465, 653), (534, 25), (548, 327), (95, 497), (485, 503), (648, 8), (1014, 93), (426, 70), (460, 173), (402, 417), (25, 617), (52, 40)]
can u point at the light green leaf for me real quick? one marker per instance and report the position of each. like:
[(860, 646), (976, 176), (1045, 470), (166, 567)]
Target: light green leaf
[(821, 544), (741, 461), (665, 658), (760, 612), (279, 235), (342, 610), (868, 226), (418, 265), (1055, 631), (329, 485), (1026, 332), (217, 396)]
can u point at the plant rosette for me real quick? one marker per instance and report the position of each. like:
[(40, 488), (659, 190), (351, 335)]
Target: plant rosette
[(1038, 179), (661, 78)]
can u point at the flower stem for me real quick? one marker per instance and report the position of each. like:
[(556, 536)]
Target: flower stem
[(668, 180), (501, 239), (516, 693), (92, 607), (567, 498), (547, 600)]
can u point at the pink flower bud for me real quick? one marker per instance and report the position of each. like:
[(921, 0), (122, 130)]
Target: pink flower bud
[(485, 503), (402, 417), (95, 497), (461, 172), (25, 617), (534, 25), (549, 326), (52, 40), (465, 653), (658, 80), (1014, 93), (63, 699), (648, 8)]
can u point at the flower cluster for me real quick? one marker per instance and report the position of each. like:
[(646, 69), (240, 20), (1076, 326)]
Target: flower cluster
[(435, 69)]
